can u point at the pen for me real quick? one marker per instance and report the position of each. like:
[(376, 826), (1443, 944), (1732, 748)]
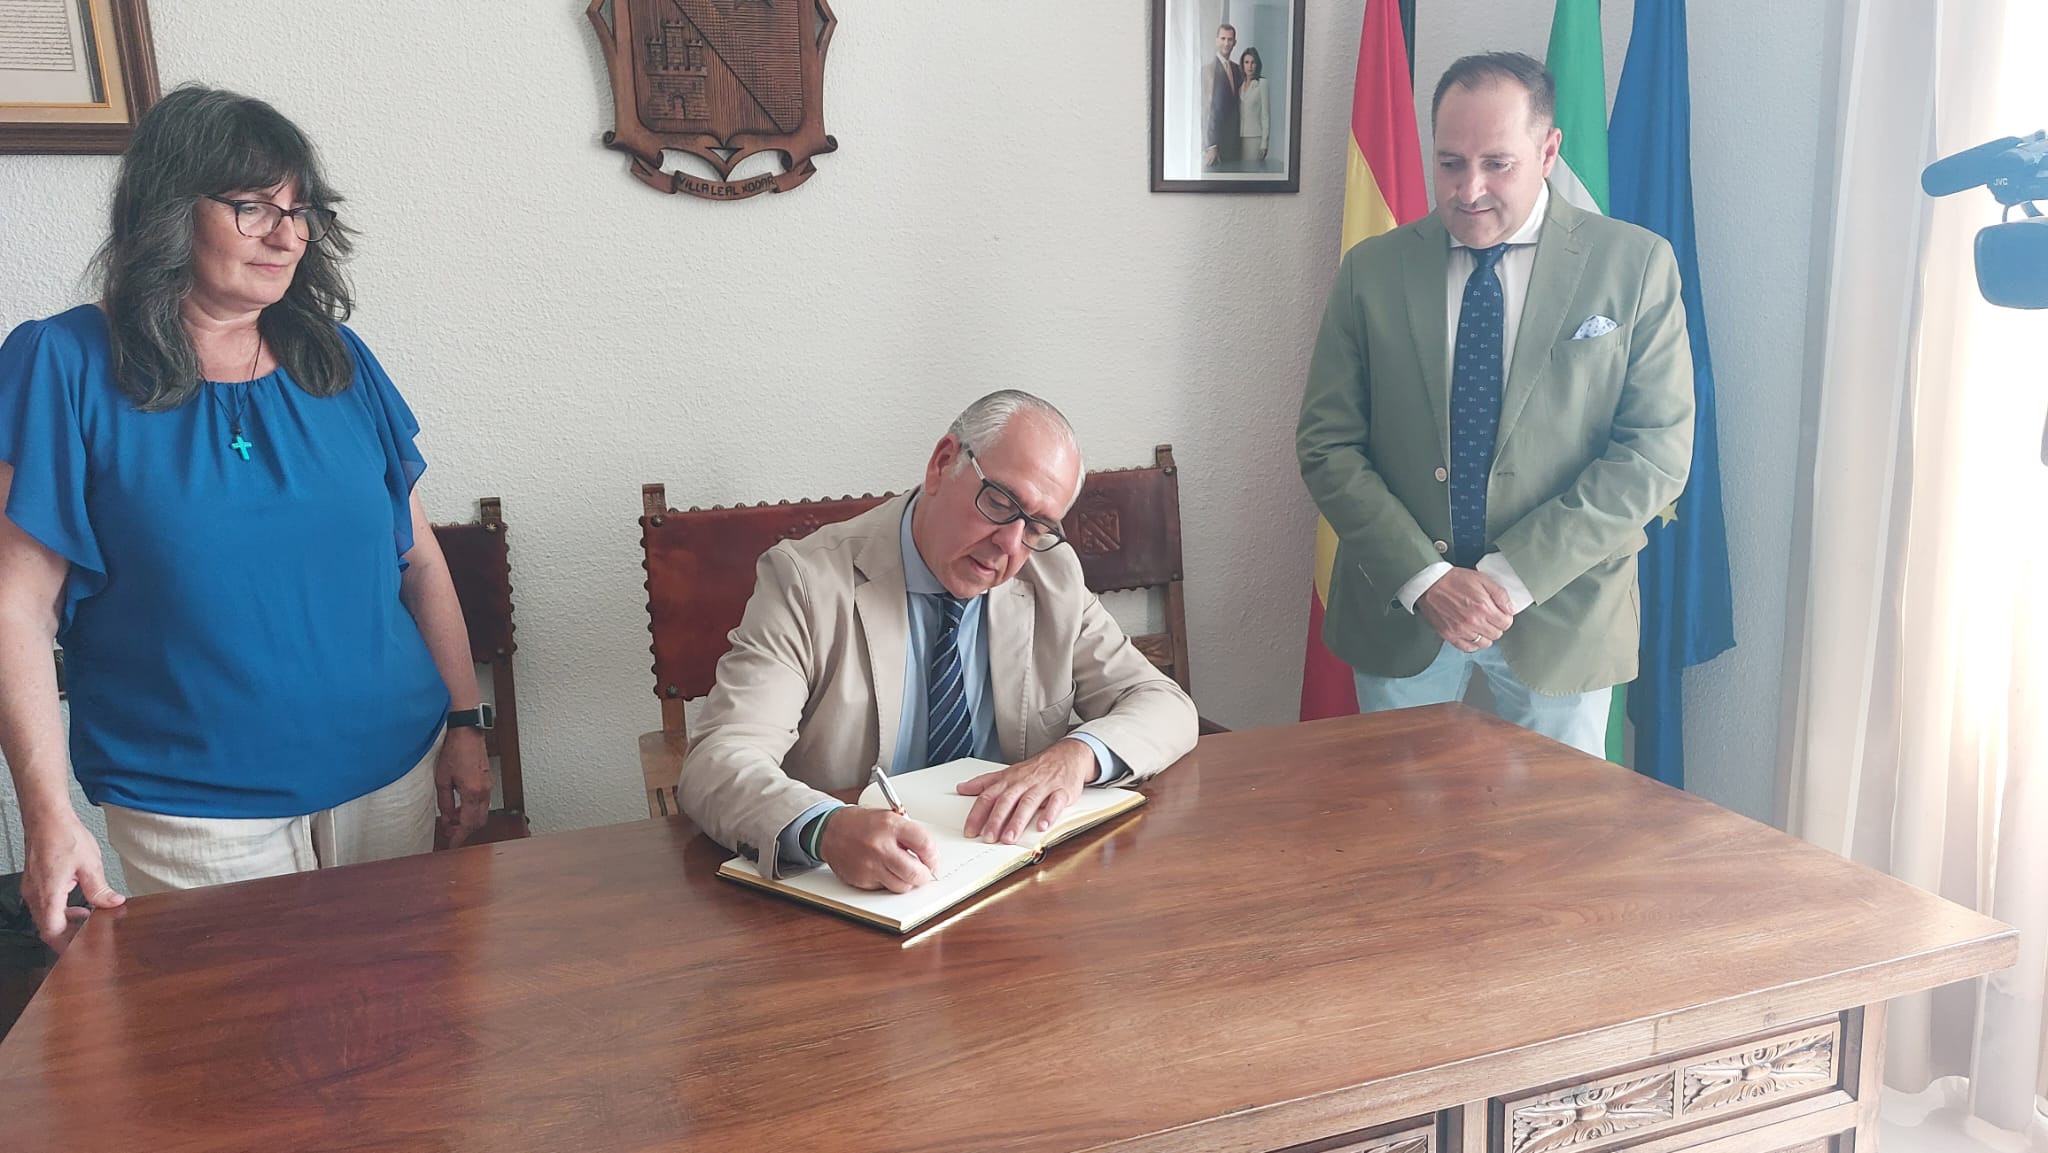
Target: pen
[(888, 794)]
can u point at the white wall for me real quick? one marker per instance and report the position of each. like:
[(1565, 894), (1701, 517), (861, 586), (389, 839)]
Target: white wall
[(566, 334)]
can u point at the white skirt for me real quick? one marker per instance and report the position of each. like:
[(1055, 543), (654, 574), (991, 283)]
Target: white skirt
[(160, 853)]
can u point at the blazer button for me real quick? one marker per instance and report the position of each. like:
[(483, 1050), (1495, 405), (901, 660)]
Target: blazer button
[(1443, 474), (1441, 547)]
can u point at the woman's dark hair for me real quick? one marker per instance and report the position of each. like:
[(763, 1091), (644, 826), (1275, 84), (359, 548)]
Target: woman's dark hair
[(1252, 54), (199, 142)]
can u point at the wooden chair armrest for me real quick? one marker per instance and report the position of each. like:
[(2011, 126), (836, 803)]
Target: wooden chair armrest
[(500, 825), (661, 768)]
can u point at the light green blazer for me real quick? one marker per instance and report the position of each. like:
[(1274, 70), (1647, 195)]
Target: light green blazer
[(1595, 438)]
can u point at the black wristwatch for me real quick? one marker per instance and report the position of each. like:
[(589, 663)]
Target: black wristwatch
[(481, 717)]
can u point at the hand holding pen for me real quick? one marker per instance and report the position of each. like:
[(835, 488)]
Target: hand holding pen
[(878, 848)]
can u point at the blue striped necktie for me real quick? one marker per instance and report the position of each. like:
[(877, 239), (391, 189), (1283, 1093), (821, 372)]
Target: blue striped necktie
[(1475, 404), (949, 734)]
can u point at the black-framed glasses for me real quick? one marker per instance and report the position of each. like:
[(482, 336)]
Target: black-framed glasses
[(1001, 506), (257, 219)]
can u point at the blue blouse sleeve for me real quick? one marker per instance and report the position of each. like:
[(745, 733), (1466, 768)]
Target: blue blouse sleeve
[(42, 377), (395, 427)]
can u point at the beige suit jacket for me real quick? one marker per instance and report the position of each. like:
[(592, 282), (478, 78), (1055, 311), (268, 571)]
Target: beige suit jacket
[(810, 694), (1595, 437)]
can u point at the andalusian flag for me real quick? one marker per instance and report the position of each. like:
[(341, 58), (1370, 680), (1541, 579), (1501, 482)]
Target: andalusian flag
[(1383, 189), (1577, 62)]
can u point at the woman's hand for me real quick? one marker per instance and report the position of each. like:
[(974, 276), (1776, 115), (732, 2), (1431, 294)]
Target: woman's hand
[(62, 854), (462, 781)]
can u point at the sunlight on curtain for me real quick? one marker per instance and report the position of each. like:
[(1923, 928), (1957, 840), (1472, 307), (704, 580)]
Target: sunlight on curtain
[(1917, 677), (1971, 817)]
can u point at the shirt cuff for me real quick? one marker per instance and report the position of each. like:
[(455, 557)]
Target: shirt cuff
[(1108, 767), (1496, 565), (1420, 583), (790, 845)]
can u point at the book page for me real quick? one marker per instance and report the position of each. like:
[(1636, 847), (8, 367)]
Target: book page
[(965, 868), (929, 796)]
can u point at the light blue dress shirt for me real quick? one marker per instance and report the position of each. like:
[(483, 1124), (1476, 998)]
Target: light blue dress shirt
[(922, 591)]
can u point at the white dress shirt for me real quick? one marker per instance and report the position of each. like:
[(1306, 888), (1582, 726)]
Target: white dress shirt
[(1513, 271)]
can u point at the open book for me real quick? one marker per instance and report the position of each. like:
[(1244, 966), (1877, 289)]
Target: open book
[(965, 867)]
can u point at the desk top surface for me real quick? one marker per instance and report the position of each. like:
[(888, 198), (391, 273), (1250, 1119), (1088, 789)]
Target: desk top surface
[(1300, 914)]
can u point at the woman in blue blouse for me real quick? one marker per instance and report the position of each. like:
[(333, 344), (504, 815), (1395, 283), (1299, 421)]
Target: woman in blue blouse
[(208, 487)]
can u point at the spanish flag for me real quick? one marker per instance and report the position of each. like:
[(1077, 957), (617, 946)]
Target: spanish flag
[(1383, 189)]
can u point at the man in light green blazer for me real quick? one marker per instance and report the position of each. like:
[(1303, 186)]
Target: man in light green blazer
[(1500, 399)]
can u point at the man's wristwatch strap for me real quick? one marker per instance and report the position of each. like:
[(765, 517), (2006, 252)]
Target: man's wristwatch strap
[(480, 717)]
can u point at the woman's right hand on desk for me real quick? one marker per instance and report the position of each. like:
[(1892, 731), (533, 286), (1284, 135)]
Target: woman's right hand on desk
[(878, 849), (62, 854)]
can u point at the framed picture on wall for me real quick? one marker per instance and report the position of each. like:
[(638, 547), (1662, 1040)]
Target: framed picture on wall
[(75, 75), (1226, 95)]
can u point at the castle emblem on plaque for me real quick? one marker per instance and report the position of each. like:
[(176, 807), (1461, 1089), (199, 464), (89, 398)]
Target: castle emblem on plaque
[(721, 80)]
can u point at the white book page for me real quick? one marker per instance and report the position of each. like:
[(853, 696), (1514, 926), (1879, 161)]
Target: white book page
[(965, 866), (930, 797)]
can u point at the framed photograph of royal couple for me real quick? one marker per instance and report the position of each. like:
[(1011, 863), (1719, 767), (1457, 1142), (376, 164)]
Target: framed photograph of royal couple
[(1226, 95)]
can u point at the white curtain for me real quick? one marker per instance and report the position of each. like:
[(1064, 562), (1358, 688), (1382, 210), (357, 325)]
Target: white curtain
[(1917, 662)]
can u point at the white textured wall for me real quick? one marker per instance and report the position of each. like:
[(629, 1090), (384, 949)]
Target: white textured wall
[(566, 334)]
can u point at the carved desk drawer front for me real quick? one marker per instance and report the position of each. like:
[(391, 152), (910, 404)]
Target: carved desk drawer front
[(1652, 1100), (1414, 1136)]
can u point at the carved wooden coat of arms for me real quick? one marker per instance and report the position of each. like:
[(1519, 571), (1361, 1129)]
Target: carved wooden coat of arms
[(721, 80)]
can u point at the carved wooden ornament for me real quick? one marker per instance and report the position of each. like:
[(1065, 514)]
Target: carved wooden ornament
[(721, 80)]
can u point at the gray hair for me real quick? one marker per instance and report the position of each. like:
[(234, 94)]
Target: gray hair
[(981, 424), (197, 142)]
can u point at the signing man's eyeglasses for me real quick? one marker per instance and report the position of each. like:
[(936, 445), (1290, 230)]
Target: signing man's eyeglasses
[(1001, 506), (257, 219)]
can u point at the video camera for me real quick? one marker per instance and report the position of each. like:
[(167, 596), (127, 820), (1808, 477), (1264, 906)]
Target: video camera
[(2012, 256)]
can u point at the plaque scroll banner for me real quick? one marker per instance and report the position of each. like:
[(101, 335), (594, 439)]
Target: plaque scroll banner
[(721, 80)]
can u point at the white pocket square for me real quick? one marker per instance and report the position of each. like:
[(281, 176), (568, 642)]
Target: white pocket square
[(1595, 326)]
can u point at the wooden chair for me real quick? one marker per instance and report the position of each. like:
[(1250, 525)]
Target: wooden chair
[(700, 571), (479, 562), (1126, 529)]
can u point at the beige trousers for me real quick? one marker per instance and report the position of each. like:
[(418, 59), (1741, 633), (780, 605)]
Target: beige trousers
[(161, 853)]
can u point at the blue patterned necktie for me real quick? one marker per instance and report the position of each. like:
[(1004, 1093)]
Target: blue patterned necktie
[(949, 731), (1475, 404)]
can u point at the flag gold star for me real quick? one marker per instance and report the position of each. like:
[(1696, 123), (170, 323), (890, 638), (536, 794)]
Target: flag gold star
[(1670, 513)]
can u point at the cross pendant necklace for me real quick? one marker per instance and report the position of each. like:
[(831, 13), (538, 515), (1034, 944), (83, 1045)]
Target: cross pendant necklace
[(241, 444)]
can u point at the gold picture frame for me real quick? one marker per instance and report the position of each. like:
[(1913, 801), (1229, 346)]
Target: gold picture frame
[(75, 75)]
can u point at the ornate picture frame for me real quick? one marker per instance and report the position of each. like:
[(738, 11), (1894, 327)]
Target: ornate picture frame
[(75, 75), (1226, 95)]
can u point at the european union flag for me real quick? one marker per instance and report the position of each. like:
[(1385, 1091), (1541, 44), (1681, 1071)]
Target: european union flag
[(1688, 607)]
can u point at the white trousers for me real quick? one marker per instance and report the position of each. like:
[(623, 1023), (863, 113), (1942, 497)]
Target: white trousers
[(161, 853)]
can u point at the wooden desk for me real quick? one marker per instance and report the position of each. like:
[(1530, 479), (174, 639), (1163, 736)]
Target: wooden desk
[(1425, 932)]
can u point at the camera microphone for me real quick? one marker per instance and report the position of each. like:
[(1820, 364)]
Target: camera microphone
[(1966, 169)]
